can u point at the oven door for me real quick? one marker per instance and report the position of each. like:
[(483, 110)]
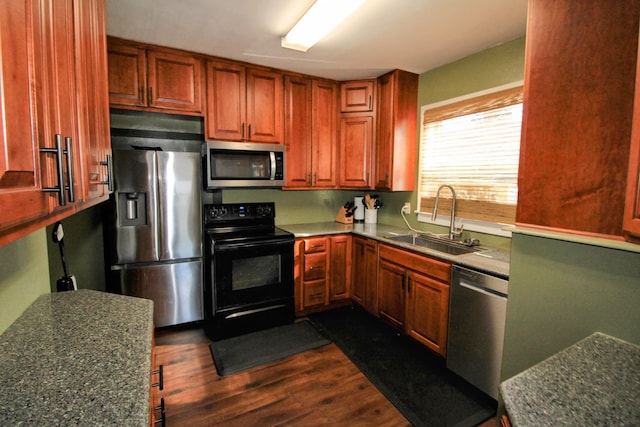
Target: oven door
[(251, 271)]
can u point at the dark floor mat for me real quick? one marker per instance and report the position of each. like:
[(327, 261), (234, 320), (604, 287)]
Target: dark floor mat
[(414, 379), (246, 351)]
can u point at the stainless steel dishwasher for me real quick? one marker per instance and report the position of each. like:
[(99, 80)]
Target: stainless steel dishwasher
[(477, 314)]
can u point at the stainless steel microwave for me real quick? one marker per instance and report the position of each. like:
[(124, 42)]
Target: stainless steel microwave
[(239, 164)]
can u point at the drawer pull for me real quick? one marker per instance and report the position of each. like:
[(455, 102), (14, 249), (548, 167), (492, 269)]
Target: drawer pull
[(160, 383)]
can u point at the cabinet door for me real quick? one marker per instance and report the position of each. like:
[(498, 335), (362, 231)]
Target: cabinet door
[(631, 222), (56, 98), (340, 267), (127, 75), (395, 153), (264, 106), (358, 274), (428, 312), (21, 196), (391, 292), (577, 119), (93, 101), (364, 274), (297, 131), (356, 137), (175, 81), (324, 133), (226, 101), (356, 96), (371, 281)]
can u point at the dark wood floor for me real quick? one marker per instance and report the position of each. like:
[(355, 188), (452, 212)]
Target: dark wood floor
[(317, 387)]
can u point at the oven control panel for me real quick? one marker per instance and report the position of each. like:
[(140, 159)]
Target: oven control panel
[(238, 211)]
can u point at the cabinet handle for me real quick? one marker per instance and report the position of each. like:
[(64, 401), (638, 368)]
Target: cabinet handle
[(109, 181), (150, 100), (315, 178), (409, 285), (309, 182), (58, 151), (370, 102), (163, 415), (242, 136), (249, 128), (160, 383), (70, 189)]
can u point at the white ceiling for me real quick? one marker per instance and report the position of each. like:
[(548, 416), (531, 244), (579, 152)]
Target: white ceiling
[(414, 35)]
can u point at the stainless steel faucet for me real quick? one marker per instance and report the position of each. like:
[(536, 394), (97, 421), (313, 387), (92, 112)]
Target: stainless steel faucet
[(453, 230)]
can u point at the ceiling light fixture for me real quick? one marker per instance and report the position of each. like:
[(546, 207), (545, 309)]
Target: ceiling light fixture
[(322, 17)]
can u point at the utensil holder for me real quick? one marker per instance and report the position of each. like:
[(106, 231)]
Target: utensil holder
[(370, 216)]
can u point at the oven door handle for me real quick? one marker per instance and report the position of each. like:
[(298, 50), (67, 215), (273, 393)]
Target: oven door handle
[(224, 246)]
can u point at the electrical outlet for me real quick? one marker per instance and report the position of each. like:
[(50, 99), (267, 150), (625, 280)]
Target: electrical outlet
[(406, 208)]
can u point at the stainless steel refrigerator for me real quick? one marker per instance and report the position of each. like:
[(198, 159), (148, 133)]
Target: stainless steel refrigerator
[(156, 232)]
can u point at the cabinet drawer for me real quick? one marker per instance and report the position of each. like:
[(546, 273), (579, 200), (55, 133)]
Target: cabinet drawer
[(437, 269), (314, 293), (318, 244), (315, 266)]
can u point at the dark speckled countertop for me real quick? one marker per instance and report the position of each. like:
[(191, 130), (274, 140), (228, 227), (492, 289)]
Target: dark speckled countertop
[(78, 358), (489, 260), (595, 382)]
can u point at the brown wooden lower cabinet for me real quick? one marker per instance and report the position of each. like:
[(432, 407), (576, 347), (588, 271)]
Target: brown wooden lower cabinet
[(364, 276), (407, 290), (322, 272), (413, 295)]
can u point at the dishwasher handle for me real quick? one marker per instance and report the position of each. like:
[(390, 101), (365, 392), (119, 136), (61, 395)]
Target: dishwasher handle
[(477, 280), (488, 292)]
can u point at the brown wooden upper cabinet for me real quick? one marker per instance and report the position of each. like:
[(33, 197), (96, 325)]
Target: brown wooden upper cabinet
[(356, 146), (164, 80), (310, 133), (357, 96), (631, 224), (53, 112), (395, 151), (243, 103), (578, 114)]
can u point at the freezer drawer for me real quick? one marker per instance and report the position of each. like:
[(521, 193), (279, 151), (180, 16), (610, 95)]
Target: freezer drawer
[(175, 288)]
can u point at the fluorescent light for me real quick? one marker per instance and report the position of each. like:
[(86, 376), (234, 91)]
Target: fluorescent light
[(322, 17)]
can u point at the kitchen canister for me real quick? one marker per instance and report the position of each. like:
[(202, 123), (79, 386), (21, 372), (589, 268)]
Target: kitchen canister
[(370, 216), (358, 214)]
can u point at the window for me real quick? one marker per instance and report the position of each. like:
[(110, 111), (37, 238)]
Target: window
[(472, 144)]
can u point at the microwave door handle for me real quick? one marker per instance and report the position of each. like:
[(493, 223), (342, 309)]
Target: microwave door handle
[(272, 157)]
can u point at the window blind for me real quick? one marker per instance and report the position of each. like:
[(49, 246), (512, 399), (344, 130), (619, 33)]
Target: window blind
[(474, 146)]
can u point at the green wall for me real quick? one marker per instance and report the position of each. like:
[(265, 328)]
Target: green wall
[(24, 275), (561, 291), (83, 250)]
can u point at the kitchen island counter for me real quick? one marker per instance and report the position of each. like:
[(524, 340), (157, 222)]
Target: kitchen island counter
[(491, 261), (78, 358), (594, 382)]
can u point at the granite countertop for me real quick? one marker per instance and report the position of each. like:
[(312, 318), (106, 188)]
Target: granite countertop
[(595, 382), (489, 260), (78, 358)]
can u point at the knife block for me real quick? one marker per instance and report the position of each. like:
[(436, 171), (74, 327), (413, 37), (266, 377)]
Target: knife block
[(342, 218)]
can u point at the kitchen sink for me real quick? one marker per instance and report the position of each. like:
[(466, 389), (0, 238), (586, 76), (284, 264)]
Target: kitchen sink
[(435, 243)]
